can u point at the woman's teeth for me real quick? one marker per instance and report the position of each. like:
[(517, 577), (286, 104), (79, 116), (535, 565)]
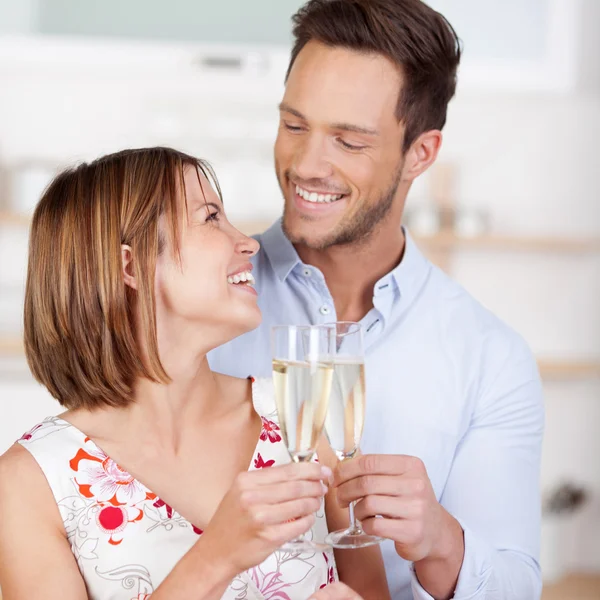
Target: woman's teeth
[(314, 197), (243, 277)]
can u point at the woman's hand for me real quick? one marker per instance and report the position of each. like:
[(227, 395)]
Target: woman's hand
[(336, 591), (262, 510)]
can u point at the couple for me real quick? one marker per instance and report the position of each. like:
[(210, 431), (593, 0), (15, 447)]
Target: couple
[(165, 478)]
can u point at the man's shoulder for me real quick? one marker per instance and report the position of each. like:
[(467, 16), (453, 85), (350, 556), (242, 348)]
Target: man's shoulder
[(462, 316), (489, 354)]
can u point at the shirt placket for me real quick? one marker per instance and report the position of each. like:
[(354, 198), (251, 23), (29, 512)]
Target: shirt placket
[(324, 308)]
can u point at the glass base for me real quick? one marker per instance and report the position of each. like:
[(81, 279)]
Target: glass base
[(301, 545), (349, 538)]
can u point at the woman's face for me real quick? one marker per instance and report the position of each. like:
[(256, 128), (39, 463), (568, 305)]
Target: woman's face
[(207, 292)]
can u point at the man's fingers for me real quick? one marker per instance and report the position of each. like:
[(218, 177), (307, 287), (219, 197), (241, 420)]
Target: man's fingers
[(401, 531), (391, 508), (375, 464), (381, 485)]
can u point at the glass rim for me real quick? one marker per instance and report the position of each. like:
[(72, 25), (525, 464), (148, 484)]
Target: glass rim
[(319, 326)]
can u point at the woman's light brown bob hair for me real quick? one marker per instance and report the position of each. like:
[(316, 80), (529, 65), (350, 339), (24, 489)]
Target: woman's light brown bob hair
[(81, 328)]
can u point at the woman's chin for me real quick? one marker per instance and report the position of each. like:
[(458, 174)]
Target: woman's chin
[(243, 323)]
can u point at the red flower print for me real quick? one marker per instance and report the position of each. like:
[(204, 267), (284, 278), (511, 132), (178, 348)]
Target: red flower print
[(111, 520), (159, 504), (27, 436), (330, 574), (269, 431), (142, 597), (100, 477), (260, 463)]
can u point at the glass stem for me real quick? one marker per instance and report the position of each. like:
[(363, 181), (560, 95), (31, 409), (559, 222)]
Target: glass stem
[(300, 458), (355, 528)]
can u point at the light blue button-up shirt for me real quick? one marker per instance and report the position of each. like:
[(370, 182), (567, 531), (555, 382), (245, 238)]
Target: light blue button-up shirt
[(447, 382)]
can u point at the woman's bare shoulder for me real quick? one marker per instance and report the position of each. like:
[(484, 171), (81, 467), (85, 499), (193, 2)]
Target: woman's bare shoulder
[(22, 483), (32, 537), (16, 461)]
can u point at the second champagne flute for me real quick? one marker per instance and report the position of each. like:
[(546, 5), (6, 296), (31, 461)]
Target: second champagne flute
[(345, 417), (302, 375)]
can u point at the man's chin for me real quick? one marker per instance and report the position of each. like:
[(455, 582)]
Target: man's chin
[(302, 235)]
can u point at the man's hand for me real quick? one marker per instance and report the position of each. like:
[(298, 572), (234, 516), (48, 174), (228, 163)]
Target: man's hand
[(396, 501)]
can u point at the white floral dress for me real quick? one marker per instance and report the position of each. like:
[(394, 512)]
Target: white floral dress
[(126, 540)]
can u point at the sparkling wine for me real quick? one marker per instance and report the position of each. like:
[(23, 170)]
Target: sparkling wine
[(346, 414), (302, 392)]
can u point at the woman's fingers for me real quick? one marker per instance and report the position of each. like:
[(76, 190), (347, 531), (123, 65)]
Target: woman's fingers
[(285, 473), (287, 511), (277, 493)]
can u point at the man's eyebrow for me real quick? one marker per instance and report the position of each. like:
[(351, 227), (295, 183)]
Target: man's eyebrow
[(283, 107), (355, 128)]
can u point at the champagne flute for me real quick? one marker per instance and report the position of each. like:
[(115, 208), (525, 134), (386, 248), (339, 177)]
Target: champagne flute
[(302, 375), (345, 418)]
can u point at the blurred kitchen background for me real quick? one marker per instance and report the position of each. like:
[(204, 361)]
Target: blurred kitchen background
[(512, 210)]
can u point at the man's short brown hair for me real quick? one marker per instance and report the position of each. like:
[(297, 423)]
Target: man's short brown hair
[(416, 38)]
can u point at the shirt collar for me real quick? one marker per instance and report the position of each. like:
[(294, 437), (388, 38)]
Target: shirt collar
[(407, 278), (279, 250)]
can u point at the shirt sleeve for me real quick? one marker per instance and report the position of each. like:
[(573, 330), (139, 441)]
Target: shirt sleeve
[(493, 489)]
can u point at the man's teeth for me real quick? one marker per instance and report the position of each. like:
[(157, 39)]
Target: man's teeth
[(314, 197), (243, 277)]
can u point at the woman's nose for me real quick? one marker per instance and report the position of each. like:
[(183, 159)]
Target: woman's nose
[(247, 245)]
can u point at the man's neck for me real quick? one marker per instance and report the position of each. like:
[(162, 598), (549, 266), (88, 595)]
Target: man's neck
[(351, 271)]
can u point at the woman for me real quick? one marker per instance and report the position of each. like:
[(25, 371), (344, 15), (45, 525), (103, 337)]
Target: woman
[(142, 487)]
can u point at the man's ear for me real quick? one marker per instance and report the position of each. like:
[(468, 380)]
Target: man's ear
[(422, 154)]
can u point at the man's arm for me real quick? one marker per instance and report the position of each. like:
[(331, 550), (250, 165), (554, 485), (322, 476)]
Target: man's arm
[(482, 540), (494, 489)]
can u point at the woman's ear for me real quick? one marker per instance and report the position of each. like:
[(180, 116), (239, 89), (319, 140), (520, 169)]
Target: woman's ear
[(127, 263)]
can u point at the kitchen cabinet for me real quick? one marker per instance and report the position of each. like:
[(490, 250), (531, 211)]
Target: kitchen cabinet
[(228, 21)]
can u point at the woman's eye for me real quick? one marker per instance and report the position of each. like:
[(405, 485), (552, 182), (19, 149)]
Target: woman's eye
[(214, 216)]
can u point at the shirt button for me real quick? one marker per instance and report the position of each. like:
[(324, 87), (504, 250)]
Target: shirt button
[(307, 272), (324, 310)]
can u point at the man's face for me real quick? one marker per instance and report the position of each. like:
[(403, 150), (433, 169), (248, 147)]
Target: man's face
[(338, 153)]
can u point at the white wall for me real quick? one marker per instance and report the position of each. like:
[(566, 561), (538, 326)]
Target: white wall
[(18, 17), (589, 73)]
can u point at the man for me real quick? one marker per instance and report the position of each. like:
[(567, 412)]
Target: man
[(454, 420)]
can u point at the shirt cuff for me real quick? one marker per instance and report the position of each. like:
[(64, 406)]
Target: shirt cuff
[(474, 573)]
